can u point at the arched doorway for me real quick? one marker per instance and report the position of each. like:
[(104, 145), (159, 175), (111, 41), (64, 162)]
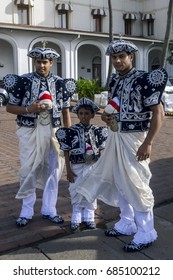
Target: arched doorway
[(57, 66), (89, 62), (155, 64), (154, 59), (96, 69)]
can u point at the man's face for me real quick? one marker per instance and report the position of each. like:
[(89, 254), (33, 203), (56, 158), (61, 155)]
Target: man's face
[(122, 62), (43, 66)]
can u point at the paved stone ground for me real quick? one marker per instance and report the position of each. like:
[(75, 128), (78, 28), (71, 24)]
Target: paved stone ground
[(38, 230)]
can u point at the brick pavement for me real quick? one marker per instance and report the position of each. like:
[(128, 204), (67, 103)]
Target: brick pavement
[(38, 230)]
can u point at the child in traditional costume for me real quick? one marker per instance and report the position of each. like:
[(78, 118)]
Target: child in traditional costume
[(82, 144)]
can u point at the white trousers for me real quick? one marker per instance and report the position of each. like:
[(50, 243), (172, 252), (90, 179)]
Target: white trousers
[(81, 214), (50, 193), (141, 224)]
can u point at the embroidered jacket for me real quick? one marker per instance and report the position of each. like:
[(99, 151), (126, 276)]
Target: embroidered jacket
[(24, 90), (74, 139), (137, 92)]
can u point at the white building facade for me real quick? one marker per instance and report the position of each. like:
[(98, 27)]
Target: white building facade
[(79, 32)]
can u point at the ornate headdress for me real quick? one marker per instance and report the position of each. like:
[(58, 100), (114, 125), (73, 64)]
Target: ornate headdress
[(43, 53), (121, 46), (85, 101)]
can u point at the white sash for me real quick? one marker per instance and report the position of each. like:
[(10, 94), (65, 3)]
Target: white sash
[(34, 145), (118, 170)]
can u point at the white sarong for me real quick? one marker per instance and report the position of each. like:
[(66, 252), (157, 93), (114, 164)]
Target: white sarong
[(118, 170), (34, 146)]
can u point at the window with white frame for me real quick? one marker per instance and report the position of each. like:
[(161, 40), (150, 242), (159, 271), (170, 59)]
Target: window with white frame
[(24, 11), (97, 23), (64, 11), (150, 27), (98, 15), (128, 27), (63, 19), (149, 20), (129, 18), (23, 15)]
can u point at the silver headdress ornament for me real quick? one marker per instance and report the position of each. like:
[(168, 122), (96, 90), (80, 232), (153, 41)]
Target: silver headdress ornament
[(85, 101), (43, 53), (121, 46)]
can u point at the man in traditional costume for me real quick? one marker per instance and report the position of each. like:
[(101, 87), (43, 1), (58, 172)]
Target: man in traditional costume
[(121, 176), (82, 144), (39, 99)]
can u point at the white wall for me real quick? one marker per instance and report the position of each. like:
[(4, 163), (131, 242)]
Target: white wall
[(17, 40), (45, 15)]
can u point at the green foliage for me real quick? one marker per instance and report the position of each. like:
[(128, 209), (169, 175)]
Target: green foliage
[(87, 88), (170, 59)]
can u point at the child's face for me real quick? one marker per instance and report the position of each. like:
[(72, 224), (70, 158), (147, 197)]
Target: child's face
[(85, 115)]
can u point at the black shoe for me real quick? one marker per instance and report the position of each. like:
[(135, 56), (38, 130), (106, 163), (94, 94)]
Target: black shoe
[(56, 219), (22, 222), (112, 232), (74, 226), (90, 225), (133, 247)]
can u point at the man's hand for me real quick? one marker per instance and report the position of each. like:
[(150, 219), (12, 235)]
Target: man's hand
[(143, 152), (107, 118), (36, 107)]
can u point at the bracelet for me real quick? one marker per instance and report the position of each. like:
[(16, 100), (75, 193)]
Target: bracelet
[(26, 108)]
